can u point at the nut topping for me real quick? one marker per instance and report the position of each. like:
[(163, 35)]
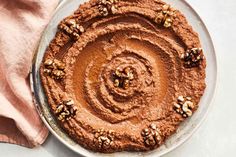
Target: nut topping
[(104, 139), (151, 135), (65, 110), (72, 27), (58, 64), (54, 68), (165, 16), (184, 106), (192, 57), (58, 74), (123, 78), (116, 83), (107, 6), (48, 63)]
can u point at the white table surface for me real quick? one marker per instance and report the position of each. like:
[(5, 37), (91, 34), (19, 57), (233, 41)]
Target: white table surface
[(217, 135)]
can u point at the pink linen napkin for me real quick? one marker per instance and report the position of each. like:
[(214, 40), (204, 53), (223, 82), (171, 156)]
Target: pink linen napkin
[(21, 25)]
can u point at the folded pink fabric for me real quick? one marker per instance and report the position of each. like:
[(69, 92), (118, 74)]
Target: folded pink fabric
[(21, 25)]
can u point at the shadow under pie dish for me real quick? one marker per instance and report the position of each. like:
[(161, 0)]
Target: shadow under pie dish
[(122, 75)]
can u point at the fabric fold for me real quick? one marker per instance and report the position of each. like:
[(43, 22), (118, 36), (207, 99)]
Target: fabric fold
[(21, 25)]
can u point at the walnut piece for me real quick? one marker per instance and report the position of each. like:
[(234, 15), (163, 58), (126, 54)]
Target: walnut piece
[(192, 57), (65, 110), (123, 78), (54, 68), (104, 139), (107, 6), (166, 16), (184, 106), (72, 27), (151, 135)]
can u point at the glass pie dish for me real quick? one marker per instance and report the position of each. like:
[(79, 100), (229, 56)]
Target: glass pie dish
[(185, 130)]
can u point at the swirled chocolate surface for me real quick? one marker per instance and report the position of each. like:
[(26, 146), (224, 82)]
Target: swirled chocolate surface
[(122, 75)]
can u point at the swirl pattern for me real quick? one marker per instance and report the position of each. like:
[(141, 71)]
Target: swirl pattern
[(123, 70)]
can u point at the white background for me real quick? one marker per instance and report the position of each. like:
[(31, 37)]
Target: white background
[(217, 135)]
